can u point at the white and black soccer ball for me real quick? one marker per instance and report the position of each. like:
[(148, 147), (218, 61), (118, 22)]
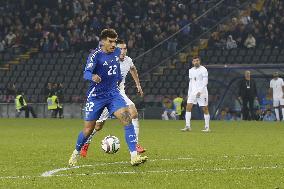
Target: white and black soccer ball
[(110, 144)]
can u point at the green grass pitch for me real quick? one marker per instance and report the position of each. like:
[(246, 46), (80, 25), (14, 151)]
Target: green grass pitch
[(233, 155)]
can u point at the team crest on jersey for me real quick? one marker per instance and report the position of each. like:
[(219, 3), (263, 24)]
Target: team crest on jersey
[(105, 63), (90, 65), (116, 58)]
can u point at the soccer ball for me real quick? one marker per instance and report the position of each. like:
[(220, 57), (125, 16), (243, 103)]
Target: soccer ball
[(110, 144)]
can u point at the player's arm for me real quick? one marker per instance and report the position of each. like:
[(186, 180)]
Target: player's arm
[(189, 83), (283, 87), (135, 76), (119, 76), (90, 66), (270, 92)]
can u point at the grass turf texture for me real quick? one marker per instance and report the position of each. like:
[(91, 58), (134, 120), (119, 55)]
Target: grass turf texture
[(233, 155)]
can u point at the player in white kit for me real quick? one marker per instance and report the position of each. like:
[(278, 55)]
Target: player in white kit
[(126, 65), (197, 93), (277, 91)]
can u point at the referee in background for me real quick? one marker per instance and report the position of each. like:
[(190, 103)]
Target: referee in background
[(247, 95)]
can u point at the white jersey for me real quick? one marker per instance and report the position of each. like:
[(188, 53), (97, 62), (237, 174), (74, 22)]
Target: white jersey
[(276, 86), (125, 66), (198, 81)]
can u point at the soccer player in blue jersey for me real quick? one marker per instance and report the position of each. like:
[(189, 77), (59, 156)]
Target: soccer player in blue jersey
[(103, 72)]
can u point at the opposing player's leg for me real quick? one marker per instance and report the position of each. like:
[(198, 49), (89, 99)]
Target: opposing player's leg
[(134, 116), (190, 102), (99, 125), (125, 118), (276, 104), (203, 102), (206, 119)]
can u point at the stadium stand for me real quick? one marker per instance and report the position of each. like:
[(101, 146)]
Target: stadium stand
[(57, 44)]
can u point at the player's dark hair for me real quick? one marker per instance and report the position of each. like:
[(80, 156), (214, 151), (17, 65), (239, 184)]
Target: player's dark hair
[(120, 41), (111, 33), (195, 57)]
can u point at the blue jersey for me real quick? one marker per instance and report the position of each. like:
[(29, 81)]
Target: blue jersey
[(105, 65)]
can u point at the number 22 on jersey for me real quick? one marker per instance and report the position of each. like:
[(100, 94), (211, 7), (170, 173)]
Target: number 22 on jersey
[(112, 70)]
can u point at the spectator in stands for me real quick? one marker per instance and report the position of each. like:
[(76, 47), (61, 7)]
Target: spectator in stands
[(168, 109), (235, 116), (259, 115), (250, 41), (21, 105), (11, 89), (269, 116), (10, 38), (63, 44), (224, 115), (2, 44), (231, 43), (48, 89), (247, 93)]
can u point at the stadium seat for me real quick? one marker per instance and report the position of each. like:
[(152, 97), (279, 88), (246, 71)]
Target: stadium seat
[(239, 59), (267, 52), (250, 52), (280, 59), (222, 59), (275, 52), (272, 59), (225, 52), (247, 59), (155, 91), (242, 52), (263, 59), (29, 79), (256, 59), (258, 52)]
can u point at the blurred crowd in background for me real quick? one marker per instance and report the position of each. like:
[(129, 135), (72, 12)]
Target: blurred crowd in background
[(261, 28)]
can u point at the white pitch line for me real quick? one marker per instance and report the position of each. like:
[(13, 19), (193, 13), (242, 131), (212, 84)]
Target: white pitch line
[(168, 171), (52, 172), (146, 172)]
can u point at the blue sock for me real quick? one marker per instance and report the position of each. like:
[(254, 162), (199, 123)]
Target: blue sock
[(81, 141), (130, 137)]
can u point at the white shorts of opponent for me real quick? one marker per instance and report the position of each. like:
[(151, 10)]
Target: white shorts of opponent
[(201, 101), (278, 101), (105, 113)]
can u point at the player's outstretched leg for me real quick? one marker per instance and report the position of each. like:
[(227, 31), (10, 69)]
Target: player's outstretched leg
[(206, 119), (98, 127), (187, 117), (134, 115), (125, 118), (82, 138)]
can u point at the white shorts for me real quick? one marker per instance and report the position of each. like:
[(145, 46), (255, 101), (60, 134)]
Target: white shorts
[(127, 100), (105, 113), (202, 100), (278, 101)]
